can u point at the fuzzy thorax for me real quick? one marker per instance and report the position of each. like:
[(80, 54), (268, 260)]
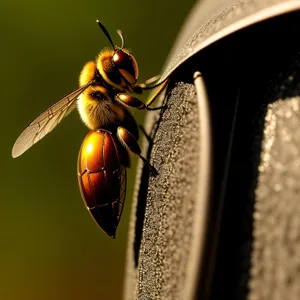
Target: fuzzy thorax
[(88, 73), (98, 110)]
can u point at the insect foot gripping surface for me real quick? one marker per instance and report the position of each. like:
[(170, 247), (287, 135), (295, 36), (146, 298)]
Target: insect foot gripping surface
[(130, 143), (102, 178)]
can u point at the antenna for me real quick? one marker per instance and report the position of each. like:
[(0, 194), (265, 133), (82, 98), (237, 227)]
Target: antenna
[(106, 33), (119, 32)]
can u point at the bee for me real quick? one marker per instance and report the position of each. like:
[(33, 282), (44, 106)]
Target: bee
[(102, 99)]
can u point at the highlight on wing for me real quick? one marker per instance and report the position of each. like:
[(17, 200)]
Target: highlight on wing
[(46, 122)]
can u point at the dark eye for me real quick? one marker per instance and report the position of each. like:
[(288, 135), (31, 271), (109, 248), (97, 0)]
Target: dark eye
[(127, 66)]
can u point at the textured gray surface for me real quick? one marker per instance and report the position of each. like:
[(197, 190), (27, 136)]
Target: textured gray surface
[(171, 200), (169, 250), (275, 267), (258, 249), (166, 239)]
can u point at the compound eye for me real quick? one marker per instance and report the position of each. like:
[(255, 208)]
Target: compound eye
[(126, 65)]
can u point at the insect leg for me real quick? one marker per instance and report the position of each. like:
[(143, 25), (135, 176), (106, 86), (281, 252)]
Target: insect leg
[(146, 134), (147, 84), (157, 93), (140, 87), (130, 143), (135, 102)]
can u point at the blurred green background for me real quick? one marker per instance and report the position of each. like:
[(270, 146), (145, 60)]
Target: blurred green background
[(50, 246)]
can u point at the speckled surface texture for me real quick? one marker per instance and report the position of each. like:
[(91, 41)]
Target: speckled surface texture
[(168, 240), (171, 200), (258, 253), (275, 267), (255, 177)]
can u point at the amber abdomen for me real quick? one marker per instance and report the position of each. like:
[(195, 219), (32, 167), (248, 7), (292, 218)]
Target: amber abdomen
[(102, 178)]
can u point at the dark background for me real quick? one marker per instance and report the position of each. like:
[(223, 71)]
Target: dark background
[(50, 246)]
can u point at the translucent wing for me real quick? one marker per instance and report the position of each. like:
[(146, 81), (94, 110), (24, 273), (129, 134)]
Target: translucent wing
[(46, 121)]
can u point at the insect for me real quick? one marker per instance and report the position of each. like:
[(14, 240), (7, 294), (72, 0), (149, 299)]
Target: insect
[(102, 100)]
